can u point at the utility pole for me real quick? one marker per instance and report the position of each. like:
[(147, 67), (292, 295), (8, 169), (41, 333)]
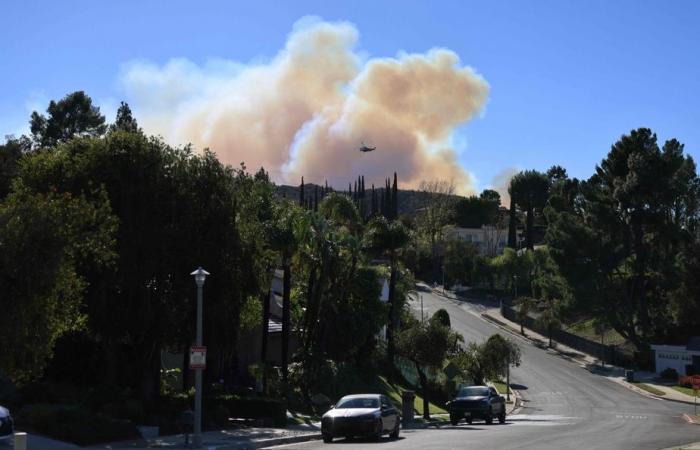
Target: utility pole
[(508, 379)]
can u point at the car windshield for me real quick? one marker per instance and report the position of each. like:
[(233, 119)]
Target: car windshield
[(473, 392), (358, 402)]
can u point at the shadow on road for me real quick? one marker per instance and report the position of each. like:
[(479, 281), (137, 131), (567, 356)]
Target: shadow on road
[(369, 440), (518, 387)]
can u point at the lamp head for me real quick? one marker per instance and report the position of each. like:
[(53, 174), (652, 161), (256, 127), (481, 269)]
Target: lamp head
[(199, 276)]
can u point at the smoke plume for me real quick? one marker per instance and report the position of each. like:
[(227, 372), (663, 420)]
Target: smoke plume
[(308, 110), (500, 183)]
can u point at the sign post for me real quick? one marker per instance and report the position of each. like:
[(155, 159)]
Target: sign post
[(695, 381)]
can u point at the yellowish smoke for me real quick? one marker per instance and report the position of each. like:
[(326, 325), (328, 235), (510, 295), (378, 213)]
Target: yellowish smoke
[(308, 110)]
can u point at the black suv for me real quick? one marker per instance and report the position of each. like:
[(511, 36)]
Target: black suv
[(477, 402)]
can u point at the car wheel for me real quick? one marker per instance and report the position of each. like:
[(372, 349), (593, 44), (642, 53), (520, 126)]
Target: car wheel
[(454, 419), (395, 434), (489, 420), (469, 421), (327, 438), (502, 417)]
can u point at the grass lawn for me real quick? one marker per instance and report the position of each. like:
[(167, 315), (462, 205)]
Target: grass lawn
[(684, 390), (394, 392), (584, 328), (648, 388)]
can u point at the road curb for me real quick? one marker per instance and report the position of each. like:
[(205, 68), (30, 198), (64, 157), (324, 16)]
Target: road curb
[(271, 442), (688, 418), (641, 391)]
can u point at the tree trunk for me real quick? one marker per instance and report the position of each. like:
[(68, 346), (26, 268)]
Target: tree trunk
[(530, 223), (286, 307), (265, 331), (512, 231), (424, 392)]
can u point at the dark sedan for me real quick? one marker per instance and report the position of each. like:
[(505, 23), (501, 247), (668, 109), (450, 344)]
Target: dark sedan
[(361, 415), (6, 425), (477, 402)]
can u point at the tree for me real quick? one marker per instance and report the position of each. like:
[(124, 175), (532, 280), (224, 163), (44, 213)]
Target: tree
[(176, 211), (525, 305), (549, 317), (45, 241), (10, 154), (427, 345), (529, 189), (73, 115), (512, 222), (459, 261), (388, 238), (474, 212), (489, 360), (124, 120), (617, 237), (436, 214)]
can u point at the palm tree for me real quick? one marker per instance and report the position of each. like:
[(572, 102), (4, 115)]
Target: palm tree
[(388, 239), (284, 242)]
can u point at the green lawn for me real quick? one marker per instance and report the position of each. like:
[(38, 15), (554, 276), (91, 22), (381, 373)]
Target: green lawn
[(648, 388), (684, 390), (394, 392), (584, 328)]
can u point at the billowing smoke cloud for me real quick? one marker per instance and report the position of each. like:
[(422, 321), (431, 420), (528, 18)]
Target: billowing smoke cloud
[(308, 110), (500, 183)]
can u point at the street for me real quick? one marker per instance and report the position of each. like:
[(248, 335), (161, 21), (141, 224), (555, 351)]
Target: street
[(564, 405)]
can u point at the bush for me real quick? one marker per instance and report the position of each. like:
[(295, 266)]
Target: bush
[(75, 425), (669, 373)]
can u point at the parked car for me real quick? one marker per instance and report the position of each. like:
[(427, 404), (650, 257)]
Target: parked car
[(477, 402), (6, 424), (361, 415)]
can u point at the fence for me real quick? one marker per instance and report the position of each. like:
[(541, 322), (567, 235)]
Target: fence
[(611, 354)]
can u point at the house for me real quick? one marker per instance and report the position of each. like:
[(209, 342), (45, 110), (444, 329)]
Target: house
[(681, 358), (488, 240)]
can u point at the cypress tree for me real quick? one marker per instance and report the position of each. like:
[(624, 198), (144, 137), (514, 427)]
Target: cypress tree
[(374, 201), (395, 199), (512, 233), (315, 198), (301, 193)]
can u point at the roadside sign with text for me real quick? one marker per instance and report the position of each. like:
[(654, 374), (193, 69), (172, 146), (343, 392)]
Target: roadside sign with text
[(695, 381), (198, 357)]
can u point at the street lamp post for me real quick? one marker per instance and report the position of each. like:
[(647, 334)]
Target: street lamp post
[(200, 275)]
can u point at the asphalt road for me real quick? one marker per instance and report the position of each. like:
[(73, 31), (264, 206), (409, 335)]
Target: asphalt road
[(564, 405)]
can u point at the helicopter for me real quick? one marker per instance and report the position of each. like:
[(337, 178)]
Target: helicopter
[(365, 149)]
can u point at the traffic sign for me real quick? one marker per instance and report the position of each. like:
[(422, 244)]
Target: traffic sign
[(695, 381), (198, 357)]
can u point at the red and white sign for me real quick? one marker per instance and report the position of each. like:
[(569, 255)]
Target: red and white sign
[(198, 357), (695, 381)]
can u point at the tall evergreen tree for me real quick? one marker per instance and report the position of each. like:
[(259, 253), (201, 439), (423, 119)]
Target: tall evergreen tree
[(395, 199), (301, 193), (124, 120)]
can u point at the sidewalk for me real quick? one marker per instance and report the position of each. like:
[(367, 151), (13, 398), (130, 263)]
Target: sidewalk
[(592, 363), (234, 439)]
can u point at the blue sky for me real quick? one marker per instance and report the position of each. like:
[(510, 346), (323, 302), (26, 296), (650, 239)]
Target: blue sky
[(567, 78)]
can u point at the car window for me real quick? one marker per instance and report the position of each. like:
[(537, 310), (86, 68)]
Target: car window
[(493, 391), (474, 391), (358, 402)]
